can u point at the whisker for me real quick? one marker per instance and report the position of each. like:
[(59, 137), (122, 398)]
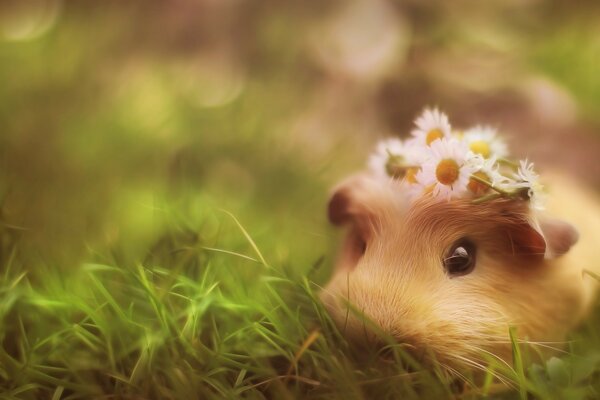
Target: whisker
[(539, 344), (495, 356), (482, 368)]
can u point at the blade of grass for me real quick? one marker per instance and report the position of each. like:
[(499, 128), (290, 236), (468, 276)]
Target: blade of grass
[(233, 253), (590, 273), (58, 392), (312, 337), (518, 363), (248, 237)]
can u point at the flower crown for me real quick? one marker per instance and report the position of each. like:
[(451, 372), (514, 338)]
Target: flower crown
[(437, 161)]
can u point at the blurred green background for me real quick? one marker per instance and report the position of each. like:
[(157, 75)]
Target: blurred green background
[(127, 127), (111, 108)]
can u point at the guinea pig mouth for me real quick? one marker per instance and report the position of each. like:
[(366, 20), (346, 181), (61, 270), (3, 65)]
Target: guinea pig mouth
[(399, 357), (390, 351)]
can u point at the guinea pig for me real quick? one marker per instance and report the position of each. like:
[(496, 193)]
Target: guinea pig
[(452, 278)]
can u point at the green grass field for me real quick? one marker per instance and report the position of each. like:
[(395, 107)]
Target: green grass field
[(163, 230), (220, 308)]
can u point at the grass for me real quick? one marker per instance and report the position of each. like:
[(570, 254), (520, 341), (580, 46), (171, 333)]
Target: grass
[(208, 316)]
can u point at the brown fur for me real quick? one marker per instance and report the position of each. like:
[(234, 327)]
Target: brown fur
[(527, 275)]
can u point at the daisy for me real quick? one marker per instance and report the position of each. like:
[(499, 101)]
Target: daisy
[(393, 158), (431, 126), (380, 158), (484, 140), (447, 171), (527, 178), (486, 170)]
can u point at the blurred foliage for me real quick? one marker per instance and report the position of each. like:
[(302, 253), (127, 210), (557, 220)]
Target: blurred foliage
[(128, 130)]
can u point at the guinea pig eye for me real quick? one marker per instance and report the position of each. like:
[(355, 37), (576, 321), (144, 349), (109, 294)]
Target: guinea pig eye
[(461, 258)]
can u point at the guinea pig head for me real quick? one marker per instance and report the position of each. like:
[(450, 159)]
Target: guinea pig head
[(446, 278)]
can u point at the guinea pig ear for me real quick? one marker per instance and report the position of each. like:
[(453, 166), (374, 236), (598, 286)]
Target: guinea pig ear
[(547, 238), (352, 201), (560, 236), (526, 240)]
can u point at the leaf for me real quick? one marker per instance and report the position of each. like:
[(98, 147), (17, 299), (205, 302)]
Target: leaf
[(558, 372), (583, 367)]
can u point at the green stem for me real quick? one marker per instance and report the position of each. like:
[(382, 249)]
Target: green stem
[(488, 184), (492, 196), (509, 163)]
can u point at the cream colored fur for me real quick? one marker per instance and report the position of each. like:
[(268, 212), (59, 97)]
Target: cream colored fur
[(400, 284)]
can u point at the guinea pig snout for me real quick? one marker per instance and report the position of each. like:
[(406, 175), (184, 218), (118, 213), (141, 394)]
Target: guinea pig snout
[(368, 312)]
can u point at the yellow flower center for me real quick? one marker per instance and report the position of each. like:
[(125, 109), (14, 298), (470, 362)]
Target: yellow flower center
[(411, 175), (481, 147), (433, 135), (478, 188), (447, 172)]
